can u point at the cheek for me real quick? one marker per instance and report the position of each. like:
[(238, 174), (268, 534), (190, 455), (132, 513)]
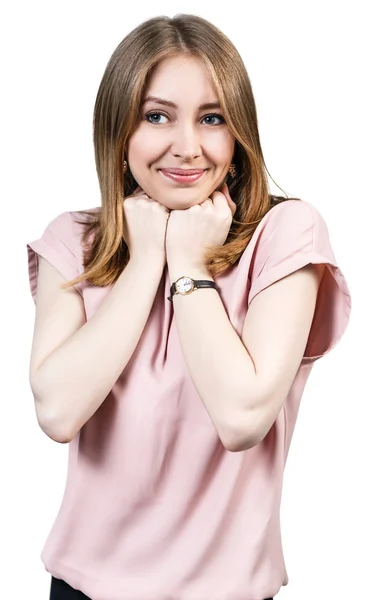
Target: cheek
[(221, 148), (143, 148)]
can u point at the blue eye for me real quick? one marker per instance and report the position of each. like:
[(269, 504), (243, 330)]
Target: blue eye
[(154, 114), (214, 117), (154, 118)]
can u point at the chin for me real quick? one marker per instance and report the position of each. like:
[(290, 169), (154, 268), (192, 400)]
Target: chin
[(184, 201), (184, 197)]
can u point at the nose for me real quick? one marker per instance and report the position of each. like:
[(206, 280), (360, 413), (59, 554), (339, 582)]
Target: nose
[(185, 143)]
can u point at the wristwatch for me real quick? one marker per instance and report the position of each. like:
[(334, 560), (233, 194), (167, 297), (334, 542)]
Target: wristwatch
[(185, 285)]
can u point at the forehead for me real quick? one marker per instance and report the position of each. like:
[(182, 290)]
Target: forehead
[(180, 78)]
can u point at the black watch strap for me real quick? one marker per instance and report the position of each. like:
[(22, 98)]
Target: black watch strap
[(198, 283)]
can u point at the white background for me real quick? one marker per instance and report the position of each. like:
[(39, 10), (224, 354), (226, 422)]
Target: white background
[(308, 80)]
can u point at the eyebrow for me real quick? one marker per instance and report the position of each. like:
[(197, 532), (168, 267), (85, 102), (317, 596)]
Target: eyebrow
[(206, 106)]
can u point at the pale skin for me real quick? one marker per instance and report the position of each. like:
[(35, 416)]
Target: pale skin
[(243, 382)]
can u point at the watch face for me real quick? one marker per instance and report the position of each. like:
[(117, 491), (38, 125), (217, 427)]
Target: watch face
[(184, 285)]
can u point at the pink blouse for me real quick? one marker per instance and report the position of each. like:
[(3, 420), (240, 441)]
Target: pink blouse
[(155, 508)]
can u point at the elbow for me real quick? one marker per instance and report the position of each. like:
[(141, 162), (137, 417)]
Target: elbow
[(240, 443), (54, 428), (55, 431), (238, 437), (51, 422)]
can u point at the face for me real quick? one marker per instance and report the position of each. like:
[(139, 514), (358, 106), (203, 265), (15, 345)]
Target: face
[(176, 131)]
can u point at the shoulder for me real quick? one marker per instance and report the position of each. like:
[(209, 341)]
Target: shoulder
[(290, 235), (65, 233), (82, 219), (293, 213), (70, 225), (291, 224)]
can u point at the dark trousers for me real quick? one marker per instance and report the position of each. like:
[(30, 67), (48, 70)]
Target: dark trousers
[(60, 590)]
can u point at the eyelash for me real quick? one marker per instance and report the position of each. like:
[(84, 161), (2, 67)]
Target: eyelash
[(160, 113)]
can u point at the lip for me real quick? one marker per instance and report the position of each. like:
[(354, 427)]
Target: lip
[(183, 171), (183, 175)]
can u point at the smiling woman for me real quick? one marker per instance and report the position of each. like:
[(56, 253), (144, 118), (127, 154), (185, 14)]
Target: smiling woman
[(175, 94), (175, 330), (168, 143)]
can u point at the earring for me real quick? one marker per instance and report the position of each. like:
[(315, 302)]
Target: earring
[(125, 166), (232, 170)]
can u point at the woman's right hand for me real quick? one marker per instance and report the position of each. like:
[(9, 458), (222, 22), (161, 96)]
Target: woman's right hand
[(144, 226)]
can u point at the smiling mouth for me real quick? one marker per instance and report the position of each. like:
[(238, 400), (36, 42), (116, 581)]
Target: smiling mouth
[(183, 175)]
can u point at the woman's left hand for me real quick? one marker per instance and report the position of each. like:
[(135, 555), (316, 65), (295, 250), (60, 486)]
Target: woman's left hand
[(190, 232)]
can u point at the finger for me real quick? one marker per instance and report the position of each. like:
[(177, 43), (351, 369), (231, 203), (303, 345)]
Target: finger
[(232, 205), (140, 192), (137, 191), (206, 202), (226, 195), (219, 199)]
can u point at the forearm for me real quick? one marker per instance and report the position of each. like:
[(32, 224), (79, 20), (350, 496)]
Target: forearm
[(76, 378), (220, 366)]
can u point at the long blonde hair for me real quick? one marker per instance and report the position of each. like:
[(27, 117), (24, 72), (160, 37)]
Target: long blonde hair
[(117, 113)]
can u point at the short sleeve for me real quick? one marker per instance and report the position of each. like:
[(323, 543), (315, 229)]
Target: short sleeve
[(57, 246), (291, 236)]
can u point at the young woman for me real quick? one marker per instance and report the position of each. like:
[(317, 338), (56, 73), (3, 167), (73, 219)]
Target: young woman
[(176, 326)]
